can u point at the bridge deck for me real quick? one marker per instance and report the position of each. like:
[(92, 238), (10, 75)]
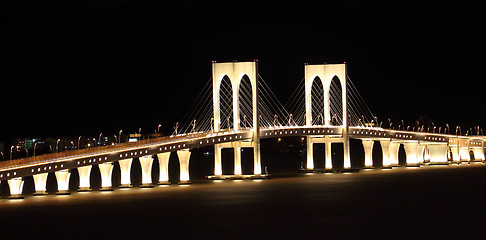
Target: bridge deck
[(96, 155)]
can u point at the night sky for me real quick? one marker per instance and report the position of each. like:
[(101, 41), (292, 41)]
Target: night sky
[(85, 67)]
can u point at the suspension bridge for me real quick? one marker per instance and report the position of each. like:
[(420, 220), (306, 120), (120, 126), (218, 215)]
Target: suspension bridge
[(235, 110)]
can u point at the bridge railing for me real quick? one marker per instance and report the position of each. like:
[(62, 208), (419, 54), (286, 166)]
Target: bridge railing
[(92, 151), (102, 149)]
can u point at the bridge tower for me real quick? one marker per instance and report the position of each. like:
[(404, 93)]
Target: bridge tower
[(235, 71), (326, 72)]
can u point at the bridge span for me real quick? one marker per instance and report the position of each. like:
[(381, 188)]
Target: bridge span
[(241, 115), (420, 148)]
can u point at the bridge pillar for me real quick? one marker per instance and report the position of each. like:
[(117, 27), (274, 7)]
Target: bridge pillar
[(40, 181), (106, 170), (15, 185), (455, 154), (310, 153), (62, 177), (146, 164), (218, 168), (328, 153), (257, 162), (347, 158), (411, 150), (84, 174), (420, 154), (393, 154), (163, 167), (464, 154), (237, 152), (478, 154), (438, 153), (184, 156), (125, 167), (385, 148), (426, 153), (368, 150)]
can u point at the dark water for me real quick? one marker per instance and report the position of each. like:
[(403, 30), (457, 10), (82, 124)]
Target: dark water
[(438, 202)]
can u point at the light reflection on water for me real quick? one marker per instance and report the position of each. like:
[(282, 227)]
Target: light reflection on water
[(374, 199)]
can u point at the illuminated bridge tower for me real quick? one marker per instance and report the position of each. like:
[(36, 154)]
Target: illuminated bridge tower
[(326, 73), (235, 72)]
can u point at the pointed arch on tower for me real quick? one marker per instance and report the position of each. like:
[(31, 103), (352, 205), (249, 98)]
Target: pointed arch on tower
[(336, 93), (244, 93), (317, 101), (235, 71), (326, 72)]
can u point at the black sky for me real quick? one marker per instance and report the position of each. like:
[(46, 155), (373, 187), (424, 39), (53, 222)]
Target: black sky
[(81, 68)]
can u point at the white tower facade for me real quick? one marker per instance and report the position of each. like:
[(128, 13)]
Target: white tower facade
[(235, 71), (326, 72)]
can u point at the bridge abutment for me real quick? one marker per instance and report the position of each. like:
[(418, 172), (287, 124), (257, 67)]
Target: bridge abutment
[(163, 168), (40, 181)]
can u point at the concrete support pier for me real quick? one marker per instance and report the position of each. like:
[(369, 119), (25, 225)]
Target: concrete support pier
[(411, 150), (106, 170), (237, 153), (84, 175), (464, 153), (125, 167), (438, 153), (163, 168), (218, 167), (368, 152), (328, 153), (62, 177), (385, 148), (15, 185), (478, 153), (184, 156), (40, 181), (146, 164), (310, 153), (393, 154)]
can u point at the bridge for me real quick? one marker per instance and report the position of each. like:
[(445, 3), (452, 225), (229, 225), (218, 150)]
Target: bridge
[(235, 110)]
